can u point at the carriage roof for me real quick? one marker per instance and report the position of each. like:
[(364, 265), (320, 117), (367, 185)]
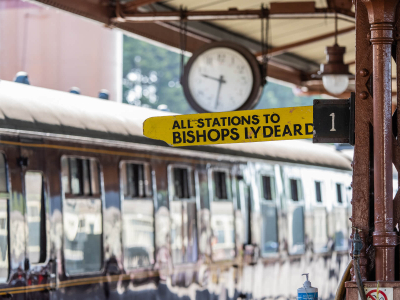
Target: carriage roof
[(34, 109)]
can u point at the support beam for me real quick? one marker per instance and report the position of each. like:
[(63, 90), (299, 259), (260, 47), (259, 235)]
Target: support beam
[(217, 15), (135, 4), (286, 48), (209, 15), (293, 10)]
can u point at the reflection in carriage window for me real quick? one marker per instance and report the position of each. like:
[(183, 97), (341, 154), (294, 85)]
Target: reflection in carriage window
[(318, 194), (36, 216), (244, 206), (320, 229), (220, 185), (184, 245), (339, 193), (3, 240), (220, 236), (223, 227), (203, 188), (4, 262), (269, 228), (222, 217), (269, 236), (296, 219), (137, 216), (82, 216), (341, 229), (82, 235)]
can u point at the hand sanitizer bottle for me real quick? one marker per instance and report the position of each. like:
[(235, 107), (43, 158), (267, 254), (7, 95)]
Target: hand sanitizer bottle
[(307, 292)]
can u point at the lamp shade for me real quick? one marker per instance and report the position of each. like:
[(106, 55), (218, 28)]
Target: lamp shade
[(335, 84)]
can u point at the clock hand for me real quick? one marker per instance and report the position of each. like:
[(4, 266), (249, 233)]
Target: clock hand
[(221, 81), (214, 78)]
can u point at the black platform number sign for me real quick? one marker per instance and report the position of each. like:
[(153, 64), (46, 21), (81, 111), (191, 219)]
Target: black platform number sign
[(334, 121)]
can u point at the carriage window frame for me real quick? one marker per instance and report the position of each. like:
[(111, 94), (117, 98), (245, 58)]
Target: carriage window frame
[(272, 203), (6, 195), (300, 193), (194, 197), (228, 184), (91, 195), (321, 192), (342, 193), (272, 187), (296, 203), (78, 197), (237, 179), (147, 190), (320, 205), (44, 251), (191, 182), (229, 179), (148, 195)]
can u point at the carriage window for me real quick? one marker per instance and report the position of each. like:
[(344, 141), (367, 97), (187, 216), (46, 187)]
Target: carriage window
[(4, 262), (222, 217), (36, 216), (203, 189), (297, 238), (269, 237), (181, 183), (239, 183), (3, 240), (65, 176), (243, 200), (220, 185), (82, 235), (3, 175), (82, 216), (137, 216), (339, 192), (295, 189), (269, 228), (318, 194), (184, 242), (136, 180), (80, 176), (268, 187)]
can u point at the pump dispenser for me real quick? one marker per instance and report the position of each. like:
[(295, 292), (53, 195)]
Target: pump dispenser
[(307, 292)]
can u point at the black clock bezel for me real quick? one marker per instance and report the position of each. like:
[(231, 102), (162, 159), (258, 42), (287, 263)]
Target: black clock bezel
[(256, 89)]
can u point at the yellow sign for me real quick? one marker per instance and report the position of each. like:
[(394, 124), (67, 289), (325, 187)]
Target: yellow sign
[(232, 127)]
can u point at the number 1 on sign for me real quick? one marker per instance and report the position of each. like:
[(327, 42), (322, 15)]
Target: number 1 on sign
[(333, 121)]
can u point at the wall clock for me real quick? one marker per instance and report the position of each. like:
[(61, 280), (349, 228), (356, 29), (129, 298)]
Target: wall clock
[(222, 76)]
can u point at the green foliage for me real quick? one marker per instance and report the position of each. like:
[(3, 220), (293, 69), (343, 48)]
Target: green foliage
[(275, 96), (151, 77), (156, 72)]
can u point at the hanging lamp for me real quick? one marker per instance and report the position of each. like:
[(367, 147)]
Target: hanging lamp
[(335, 73)]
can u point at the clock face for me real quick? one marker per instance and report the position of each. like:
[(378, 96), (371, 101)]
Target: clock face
[(220, 79)]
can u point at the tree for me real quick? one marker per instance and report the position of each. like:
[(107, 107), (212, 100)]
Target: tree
[(151, 76)]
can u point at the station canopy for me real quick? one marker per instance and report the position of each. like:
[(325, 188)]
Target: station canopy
[(298, 31)]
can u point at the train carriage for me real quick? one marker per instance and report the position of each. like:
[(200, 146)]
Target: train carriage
[(90, 208)]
